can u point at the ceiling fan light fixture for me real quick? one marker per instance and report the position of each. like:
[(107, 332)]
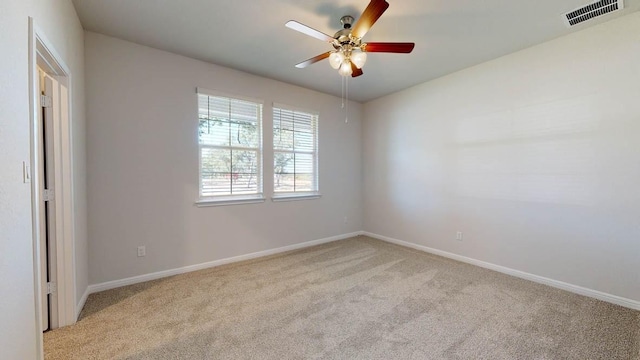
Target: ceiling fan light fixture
[(336, 59), (345, 68), (359, 58)]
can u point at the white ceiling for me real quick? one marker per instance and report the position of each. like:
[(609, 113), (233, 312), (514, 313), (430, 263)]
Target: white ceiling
[(250, 35)]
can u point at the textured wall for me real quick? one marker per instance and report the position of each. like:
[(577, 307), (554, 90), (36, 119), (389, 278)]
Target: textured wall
[(143, 165), (59, 23), (533, 156)]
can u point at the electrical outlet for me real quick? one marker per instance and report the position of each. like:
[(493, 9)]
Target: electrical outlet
[(142, 251), (459, 236)]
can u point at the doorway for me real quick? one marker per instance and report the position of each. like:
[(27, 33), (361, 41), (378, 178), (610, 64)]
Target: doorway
[(51, 177)]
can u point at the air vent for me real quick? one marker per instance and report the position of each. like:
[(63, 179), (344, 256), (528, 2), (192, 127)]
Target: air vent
[(591, 11)]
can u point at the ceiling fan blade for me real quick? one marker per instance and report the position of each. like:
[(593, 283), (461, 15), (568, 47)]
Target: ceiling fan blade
[(369, 17), (313, 60), (355, 71), (292, 24), (388, 47)]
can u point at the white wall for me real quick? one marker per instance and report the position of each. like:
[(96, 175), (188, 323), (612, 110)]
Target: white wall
[(59, 22), (535, 156), (143, 165)]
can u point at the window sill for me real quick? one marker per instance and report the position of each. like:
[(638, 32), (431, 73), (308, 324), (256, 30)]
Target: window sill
[(226, 201), (295, 197)]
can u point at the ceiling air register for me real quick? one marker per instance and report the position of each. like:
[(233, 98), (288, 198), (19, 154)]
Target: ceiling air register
[(591, 11)]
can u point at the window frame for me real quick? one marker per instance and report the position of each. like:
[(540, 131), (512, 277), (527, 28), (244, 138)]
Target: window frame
[(278, 196), (232, 199)]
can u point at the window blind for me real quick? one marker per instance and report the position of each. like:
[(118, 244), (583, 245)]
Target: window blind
[(295, 150), (229, 137)]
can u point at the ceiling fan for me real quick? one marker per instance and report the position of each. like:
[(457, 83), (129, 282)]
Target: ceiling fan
[(350, 53)]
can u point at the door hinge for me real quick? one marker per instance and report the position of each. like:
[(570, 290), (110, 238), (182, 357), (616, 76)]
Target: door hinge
[(47, 195), (51, 288), (46, 101)]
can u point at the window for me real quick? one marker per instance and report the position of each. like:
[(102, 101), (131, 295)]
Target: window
[(230, 142), (295, 151)]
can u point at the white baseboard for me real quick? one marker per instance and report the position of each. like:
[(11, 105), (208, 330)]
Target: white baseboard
[(161, 274), (614, 299), (81, 303)]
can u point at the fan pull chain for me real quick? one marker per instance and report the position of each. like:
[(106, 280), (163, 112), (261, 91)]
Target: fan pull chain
[(346, 81), (342, 89)]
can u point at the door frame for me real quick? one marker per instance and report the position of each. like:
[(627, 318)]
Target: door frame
[(42, 54)]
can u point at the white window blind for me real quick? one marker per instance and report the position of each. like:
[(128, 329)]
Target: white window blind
[(295, 150), (230, 141)]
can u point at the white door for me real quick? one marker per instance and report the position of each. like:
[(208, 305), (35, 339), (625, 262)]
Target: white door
[(47, 199)]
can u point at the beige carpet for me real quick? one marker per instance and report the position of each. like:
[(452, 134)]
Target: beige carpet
[(353, 299)]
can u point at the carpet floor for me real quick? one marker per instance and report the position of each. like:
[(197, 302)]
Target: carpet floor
[(353, 299)]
